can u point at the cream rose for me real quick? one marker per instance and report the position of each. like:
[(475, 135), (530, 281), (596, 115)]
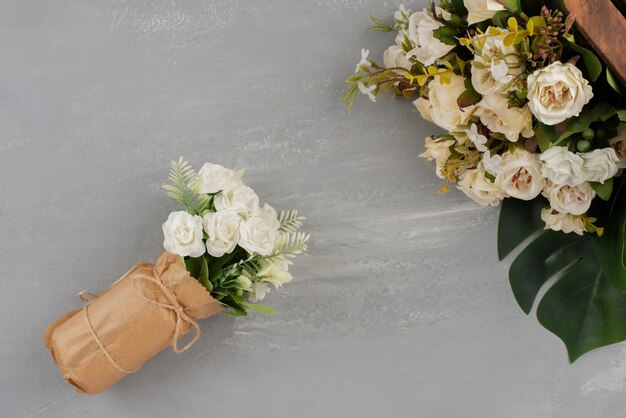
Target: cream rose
[(480, 10), (439, 151), (557, 92), (479, 188), (520, 174), (565, 222), (600, 164), (238, 198), (442, 107), (569, 199), (183, 234), (561, 166), (496, 66), (619, 145), (257, 236), (223, 230), (420, 32), (494, 112), (214, 178), (394, 57)]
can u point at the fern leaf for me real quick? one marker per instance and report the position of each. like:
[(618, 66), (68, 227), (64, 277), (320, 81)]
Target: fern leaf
[(183, 187), (290, 221)]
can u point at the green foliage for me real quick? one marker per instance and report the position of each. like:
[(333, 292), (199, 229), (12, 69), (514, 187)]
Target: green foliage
[(447, 35), (183, 187), (599, 114), (615, 83), (350, 94), (198, 269), (379, 25), (513, 6), (470, 96), (290, 221), (586, 306), (603, 189), (591, 61)]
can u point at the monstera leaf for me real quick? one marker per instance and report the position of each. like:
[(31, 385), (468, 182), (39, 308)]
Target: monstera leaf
[(585, 304)]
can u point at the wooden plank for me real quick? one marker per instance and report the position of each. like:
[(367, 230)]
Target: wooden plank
[(602, 24)]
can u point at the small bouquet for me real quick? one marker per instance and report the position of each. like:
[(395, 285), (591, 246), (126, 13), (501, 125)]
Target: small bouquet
[(222, 252), (535, 119)]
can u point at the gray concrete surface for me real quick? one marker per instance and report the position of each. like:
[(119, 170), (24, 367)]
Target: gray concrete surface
[(401, 308)]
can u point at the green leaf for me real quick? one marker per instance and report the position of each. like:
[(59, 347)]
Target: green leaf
[(459, 7), (591, 61), (528, 222), (197, 268), (470, 96), (446, 35), (513, 6), (622, 115), (264, 309), (615, 83), (603, 189), (600, 112), (586, 305), (379, 25), (611, 248), (546, 135)]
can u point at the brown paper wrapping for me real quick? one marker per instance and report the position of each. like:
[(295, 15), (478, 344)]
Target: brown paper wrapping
[(143, 312)]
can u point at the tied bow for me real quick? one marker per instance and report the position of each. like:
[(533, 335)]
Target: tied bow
[(172, 304)]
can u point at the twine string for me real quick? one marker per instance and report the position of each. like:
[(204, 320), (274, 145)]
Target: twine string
[(173, 305)]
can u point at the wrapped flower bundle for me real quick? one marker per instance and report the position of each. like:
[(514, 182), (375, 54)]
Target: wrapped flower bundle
[(222, 253), (533, 118)]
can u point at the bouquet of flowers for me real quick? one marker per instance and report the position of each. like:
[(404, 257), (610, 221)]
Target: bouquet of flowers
[(222, 252), (534, 119)]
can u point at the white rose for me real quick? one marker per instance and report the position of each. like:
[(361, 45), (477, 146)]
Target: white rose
[(520, 174), (394, 57), (214, 178), (239, 198), (421, 26), (565, 222), (496, 66), (600, 164), (480, 10), (442, 107), (619, 145), (562, 166), (183, 234), (439, 151), (495, 114), (223, 230), (257, 236), (269, 215), (258, 292), (479, 188), (557, 92), (570, 199)]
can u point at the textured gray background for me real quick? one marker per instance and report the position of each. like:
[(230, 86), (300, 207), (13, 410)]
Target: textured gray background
[(400, 309)]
